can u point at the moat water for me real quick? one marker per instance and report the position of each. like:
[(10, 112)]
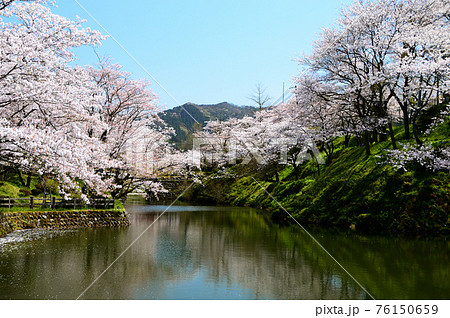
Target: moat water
[(199, 252)]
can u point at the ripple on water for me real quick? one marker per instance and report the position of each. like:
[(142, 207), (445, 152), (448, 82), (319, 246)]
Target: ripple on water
[(16, 239)]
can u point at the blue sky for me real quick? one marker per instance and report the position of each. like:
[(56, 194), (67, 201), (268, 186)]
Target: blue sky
[(207, 51)]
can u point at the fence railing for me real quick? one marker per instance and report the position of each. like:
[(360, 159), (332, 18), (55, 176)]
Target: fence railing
[(56, 203)]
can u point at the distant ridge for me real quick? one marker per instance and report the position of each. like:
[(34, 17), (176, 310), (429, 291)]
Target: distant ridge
[(180, 118)]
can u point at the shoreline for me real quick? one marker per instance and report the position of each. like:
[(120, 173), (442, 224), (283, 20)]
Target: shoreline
[(313, 206)]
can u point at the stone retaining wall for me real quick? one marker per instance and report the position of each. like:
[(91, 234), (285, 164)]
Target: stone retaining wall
[(11, 221)]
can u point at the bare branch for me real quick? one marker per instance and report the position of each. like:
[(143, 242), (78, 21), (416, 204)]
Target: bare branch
[(259, 96)]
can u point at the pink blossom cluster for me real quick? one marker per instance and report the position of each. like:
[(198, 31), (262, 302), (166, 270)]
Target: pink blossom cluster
[(70, 123)]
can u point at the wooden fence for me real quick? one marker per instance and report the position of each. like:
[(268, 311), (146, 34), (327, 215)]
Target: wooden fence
[(56, 203)]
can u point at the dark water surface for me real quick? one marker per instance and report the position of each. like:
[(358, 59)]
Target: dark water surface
[(194, 252)]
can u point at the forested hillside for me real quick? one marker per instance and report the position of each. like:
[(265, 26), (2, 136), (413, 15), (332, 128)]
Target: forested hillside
[(188, 118)]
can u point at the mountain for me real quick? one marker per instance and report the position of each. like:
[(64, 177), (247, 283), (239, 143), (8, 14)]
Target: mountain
[(181, 118)]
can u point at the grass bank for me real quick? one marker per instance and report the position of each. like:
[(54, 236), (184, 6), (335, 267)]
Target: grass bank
[(352, 191)]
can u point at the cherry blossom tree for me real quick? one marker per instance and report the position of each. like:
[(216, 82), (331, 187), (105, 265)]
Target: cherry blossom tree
[(44, 101), (134, 135), (274, 137), (75, 124), (384, 55), (352, 57), (5, 3), (420, 58)]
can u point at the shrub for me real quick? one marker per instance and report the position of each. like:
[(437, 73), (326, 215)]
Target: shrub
[(51, 187), (25, 192)]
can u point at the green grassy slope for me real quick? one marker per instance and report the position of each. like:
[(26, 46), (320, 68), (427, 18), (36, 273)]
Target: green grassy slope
[(353, 191)]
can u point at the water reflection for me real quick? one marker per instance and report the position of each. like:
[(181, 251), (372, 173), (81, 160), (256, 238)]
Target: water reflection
[(220, 253)]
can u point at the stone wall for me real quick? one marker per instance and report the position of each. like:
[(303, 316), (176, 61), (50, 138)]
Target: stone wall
[(11, 221)]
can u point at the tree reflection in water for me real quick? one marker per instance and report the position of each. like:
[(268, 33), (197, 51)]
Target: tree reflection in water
[(220, 253)]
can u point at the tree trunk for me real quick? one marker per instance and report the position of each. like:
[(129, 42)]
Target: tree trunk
[(375, 136), (404, 108), (28, 181), (437, 89), (391, 132), (406, 123), (416, 134), (346, 141), (20, 177), (367, 143), (296, 172), (317, 163), (329, 150), (318, 168), (383, 136)]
